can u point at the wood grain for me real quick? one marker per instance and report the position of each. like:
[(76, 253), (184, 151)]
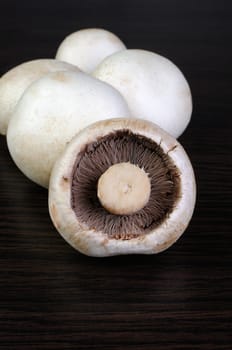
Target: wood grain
[(52, 297)]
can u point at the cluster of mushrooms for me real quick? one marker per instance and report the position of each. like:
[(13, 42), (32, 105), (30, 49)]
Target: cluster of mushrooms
[(97, 126)]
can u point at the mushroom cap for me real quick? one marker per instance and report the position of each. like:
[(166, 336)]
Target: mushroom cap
[(154, 88), (51, 111), (16, 81), (86, 48), (95, 243)]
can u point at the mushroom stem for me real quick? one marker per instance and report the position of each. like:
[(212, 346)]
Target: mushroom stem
[(124, 189)]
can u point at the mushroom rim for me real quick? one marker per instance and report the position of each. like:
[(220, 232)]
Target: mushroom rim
[(96, 243)]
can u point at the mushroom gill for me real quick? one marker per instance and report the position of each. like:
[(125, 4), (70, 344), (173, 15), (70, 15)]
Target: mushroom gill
[(123, 146)]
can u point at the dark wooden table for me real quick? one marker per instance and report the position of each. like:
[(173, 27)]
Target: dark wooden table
[(52, 297)]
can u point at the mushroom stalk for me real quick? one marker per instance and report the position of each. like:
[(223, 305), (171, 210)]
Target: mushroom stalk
[(124, 189)]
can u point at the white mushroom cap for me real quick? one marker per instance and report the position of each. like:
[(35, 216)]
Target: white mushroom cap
[(154, 88), (86, 48), (96, 243), (51, 111), (16, 81)]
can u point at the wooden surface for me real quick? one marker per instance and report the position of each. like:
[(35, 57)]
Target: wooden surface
[(52, 297)]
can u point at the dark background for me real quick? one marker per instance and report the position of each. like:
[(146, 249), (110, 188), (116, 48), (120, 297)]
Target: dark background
[(52, 297)]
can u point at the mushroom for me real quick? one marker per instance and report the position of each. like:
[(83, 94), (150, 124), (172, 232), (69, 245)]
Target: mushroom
[(154, 88), (86, 48), (51, 111), (122, 186), (15, 82)]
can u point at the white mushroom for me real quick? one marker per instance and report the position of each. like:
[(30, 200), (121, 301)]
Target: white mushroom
[(154, 88), (86, 48), (98, 224), (16, 81), (51, 111)]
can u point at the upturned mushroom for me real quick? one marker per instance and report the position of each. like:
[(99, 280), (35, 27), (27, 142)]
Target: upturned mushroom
[(122, 186), (86, 48), (51, 111), (154, 88), (17, 80)]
